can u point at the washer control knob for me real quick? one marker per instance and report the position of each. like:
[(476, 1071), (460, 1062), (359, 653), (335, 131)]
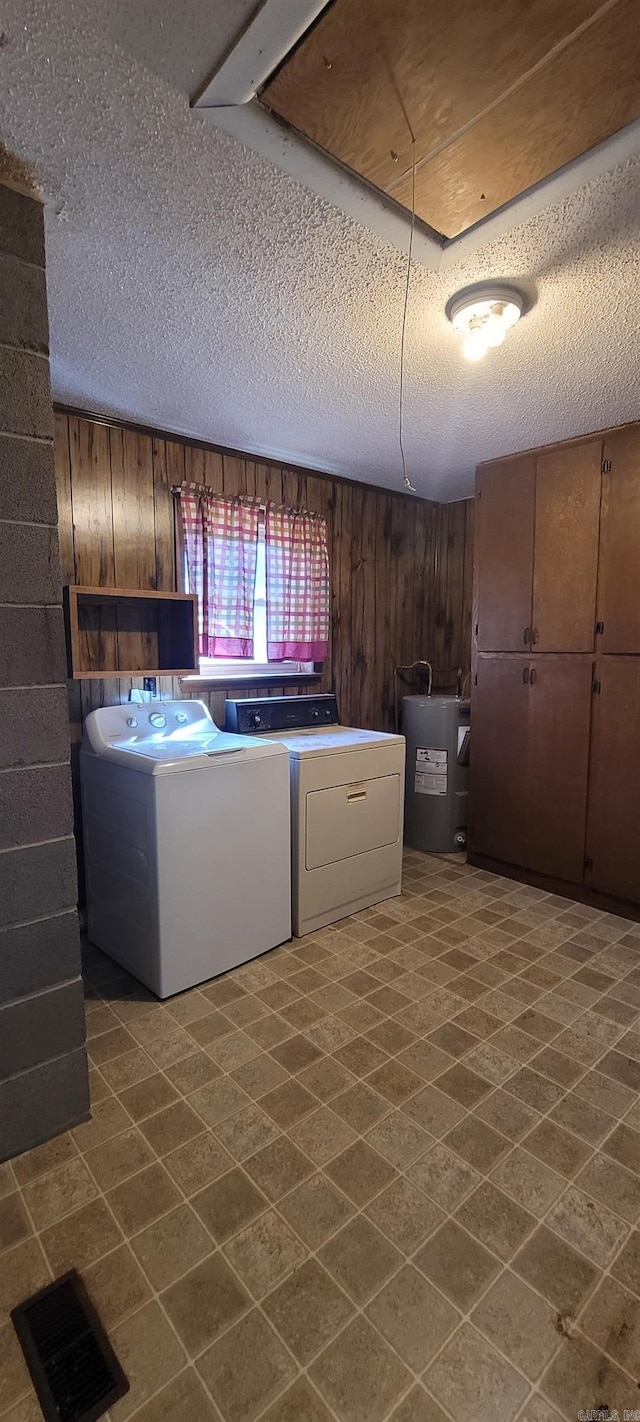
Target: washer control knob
[(157, 719), (131, 721), (181, 717)]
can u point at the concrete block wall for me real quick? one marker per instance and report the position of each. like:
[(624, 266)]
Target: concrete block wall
[(43, 1070)]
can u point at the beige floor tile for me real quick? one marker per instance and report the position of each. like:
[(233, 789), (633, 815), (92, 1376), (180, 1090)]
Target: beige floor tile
[(278, 1168), (307, 1310), (124, 1071), (265, 1252), (360, 1259), (228, 1203), (583, 1118), (473, 1382), (172, 1245), (624, 1146), (23, 1271), (626, 1266), (322, 1135), (110, 1045), (395, 1082), (183, 1400), (108, 1118), (622, 1069), (444, 1177), (458, 1266), (288, 1103), (359, 1375), (413, 1317), (360, 1106), (537, 1409), (612, 1322), (436, 1112), (399, 1140), (146, 1097), (326, 1078), (150, 1355), (14, 1221), (561, 1275), (316, 1210), (259, 1075), (557, 1148), (15, 1380), (528, 1180), (57, 1194), (81, 1238), (498, 1222), (246, 1132), (581, 1373), (361, 1056), (612, 1185), (217, 1100), (477, 1143), (418, 1407), (513, 1118), (605, 1093), (116, 1160), (197, 1163), (299, 1403), (231, 1051), (534, 1089), (360, 1172), (295, 1053), (44, 1158), (205, 1302), (405, 1215), (519, 1323), (192, 1072), (246, 1369), (170, 1128), (143, 1198), (588, 1226), (116, 1286)]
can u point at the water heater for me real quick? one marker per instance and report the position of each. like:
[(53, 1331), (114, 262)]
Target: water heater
[(437, 733)]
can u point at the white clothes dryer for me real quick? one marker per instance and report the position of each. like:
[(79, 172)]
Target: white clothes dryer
[(347, 795)]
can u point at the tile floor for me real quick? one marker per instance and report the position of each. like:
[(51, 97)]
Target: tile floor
[(390, 1171)]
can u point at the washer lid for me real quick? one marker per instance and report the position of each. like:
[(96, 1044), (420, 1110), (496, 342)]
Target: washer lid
[(162, 736)]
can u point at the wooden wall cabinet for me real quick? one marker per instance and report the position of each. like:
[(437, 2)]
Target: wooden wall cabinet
[(530, 740), (619, 592), (555, 769), (537, 546)]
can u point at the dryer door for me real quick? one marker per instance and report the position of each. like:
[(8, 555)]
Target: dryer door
[(352, 819)]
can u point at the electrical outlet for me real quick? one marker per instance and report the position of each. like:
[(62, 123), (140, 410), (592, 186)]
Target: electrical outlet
[(150, 684)]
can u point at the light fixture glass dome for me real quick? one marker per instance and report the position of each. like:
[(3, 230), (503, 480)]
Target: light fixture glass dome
[(484, 314)]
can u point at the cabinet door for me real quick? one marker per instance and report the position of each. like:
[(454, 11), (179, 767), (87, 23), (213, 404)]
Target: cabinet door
[(559, 718), (505, 503), (498, 760), (619, 600), (565, 565), (613, 838)]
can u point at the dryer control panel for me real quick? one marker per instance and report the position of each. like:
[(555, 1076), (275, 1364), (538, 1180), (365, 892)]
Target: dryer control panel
[(264, 714)]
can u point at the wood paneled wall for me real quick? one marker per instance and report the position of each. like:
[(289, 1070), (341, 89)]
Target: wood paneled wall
[(400, 566)]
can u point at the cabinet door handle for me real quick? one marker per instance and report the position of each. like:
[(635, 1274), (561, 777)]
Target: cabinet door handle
[(526, 636), (525, 676), (532, 675)]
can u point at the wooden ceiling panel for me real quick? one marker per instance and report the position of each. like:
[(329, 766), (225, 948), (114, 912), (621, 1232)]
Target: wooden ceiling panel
[(586, 93), (368, 68), (368, 64)]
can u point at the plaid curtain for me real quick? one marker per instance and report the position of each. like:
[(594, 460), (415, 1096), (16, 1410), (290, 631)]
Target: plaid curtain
[(297, 585), (220, 537)]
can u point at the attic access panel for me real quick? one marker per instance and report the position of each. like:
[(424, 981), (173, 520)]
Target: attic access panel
[(499, 95)]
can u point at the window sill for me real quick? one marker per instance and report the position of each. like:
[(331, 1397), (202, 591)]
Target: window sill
[(205, 683)]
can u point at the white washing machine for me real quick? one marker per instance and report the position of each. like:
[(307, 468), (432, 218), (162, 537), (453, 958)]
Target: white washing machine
[(347, 793), (186, 837)]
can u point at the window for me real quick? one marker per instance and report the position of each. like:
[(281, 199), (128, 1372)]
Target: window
[(243, 668)]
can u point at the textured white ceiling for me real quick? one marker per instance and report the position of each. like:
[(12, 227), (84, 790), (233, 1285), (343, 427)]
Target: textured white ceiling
[(195, 287)]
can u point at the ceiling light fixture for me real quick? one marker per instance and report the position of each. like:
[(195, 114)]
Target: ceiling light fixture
[(484, 314)]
